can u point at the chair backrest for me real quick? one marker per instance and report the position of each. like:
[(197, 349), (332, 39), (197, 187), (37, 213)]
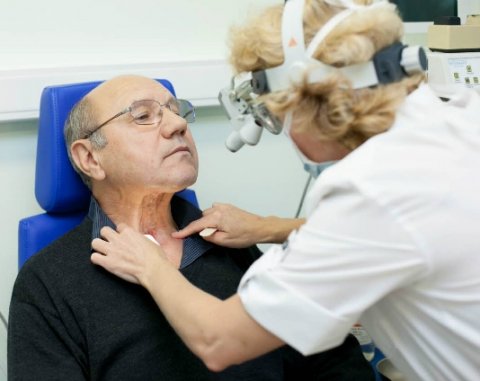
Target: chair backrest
[(58, 188)]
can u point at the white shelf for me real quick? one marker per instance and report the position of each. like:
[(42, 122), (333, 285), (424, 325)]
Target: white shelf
[(198, 81), (416, 27)]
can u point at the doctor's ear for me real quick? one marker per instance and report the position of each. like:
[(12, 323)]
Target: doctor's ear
[(86, 159)]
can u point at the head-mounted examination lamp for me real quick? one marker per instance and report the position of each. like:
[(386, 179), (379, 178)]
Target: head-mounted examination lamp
[(240, 100)]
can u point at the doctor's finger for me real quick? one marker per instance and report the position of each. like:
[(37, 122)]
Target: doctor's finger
[(110, 265), (107, 233), (216, 207), (100, 245), (99, 259), (194, 227)]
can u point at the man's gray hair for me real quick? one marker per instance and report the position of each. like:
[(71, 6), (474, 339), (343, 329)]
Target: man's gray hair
[(81, 120)]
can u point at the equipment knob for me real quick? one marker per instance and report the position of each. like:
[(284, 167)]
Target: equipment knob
[(234, 141), (413, 59)]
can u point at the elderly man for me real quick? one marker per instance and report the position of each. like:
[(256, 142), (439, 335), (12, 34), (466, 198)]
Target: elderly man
[(71, 320)]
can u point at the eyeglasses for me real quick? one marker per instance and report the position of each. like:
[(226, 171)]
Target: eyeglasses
[(149, 111)]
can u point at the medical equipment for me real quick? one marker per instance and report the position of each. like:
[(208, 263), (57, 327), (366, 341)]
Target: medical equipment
[(207, 232), (454, 61), (365, 340), (249, 116)]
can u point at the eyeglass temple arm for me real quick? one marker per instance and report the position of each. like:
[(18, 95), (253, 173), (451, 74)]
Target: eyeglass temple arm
[(107, 121)]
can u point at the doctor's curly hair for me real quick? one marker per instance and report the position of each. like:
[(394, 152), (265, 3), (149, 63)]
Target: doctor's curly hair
[(332, 107)]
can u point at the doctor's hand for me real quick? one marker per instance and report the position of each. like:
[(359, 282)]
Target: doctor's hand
[(127, 254), (237, 228)]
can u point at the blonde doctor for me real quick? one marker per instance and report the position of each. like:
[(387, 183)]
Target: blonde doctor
[(391, 236)]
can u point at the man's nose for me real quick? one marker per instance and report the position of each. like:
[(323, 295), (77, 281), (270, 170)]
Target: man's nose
[(172, 124)]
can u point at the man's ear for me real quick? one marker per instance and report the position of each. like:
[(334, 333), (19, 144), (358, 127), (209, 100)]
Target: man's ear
[(86, 158)]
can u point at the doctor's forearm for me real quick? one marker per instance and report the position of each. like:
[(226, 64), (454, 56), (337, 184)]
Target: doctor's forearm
[(220, 333)]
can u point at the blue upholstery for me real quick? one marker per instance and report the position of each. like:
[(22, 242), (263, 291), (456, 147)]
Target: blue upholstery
[(58, 188)]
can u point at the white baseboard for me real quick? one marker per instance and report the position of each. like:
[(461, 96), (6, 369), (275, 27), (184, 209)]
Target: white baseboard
[(197, 81)]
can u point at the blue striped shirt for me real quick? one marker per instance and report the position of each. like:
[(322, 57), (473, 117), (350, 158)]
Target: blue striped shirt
[(183, 213)]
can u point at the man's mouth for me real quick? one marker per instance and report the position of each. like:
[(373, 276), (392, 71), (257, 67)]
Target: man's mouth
[(177, 150)]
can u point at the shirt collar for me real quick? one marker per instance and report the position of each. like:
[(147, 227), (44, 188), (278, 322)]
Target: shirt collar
[(183, 213)]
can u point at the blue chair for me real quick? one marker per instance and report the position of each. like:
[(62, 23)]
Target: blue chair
[(58, 188)]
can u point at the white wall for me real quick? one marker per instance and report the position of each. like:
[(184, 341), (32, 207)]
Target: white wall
[(56, 32), (61, 41)]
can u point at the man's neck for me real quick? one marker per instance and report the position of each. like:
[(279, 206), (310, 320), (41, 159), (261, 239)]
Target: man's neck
[(148, 213)]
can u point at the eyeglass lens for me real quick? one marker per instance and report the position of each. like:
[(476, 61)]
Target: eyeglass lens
[(151, 112)]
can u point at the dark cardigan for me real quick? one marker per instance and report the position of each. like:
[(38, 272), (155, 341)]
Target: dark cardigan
[(71, 320)]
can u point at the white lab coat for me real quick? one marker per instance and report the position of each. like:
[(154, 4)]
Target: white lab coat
[(393, 240)]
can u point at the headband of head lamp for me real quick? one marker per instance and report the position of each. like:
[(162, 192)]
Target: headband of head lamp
[(249, 117)]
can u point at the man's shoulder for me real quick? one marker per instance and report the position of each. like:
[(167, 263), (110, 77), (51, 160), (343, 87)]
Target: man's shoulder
[(53, 270), (63, 252)]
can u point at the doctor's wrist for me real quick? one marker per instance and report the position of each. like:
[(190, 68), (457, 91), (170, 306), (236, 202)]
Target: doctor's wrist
[(277, 229)]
